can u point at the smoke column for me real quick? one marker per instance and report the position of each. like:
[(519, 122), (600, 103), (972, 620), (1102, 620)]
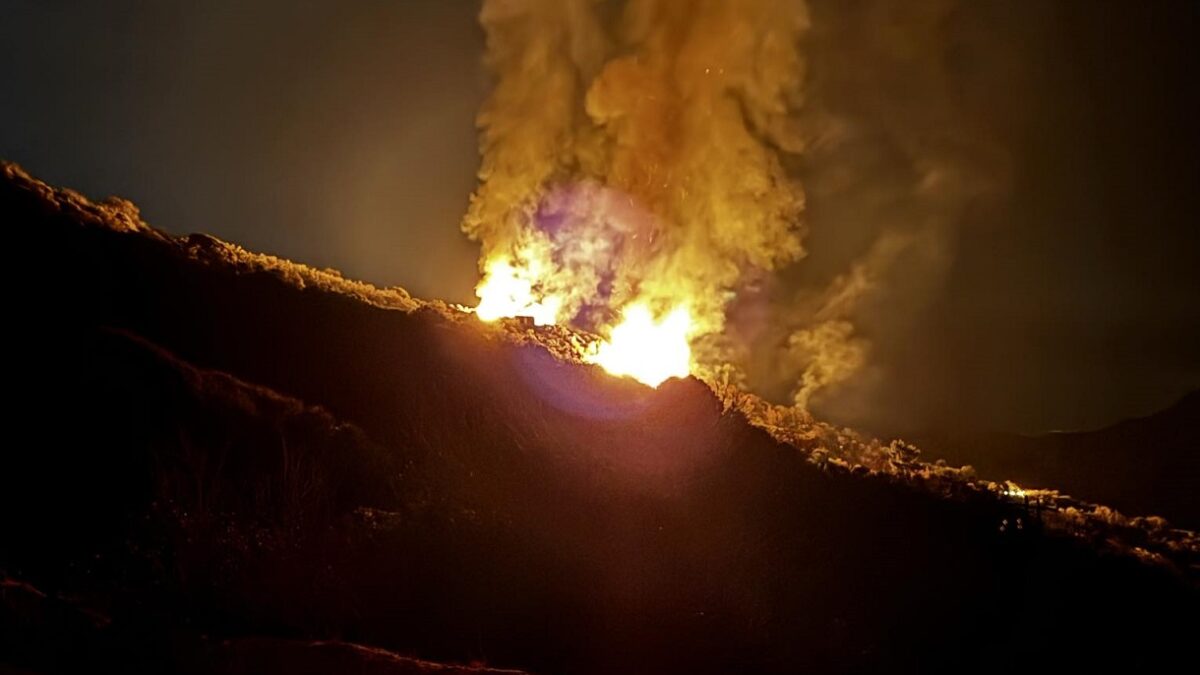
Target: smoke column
[(651, 152)]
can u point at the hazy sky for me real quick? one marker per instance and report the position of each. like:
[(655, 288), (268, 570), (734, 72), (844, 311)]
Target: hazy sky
[(341, 134)]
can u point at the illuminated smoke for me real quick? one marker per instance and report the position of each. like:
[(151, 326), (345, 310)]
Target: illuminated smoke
[(632, 155), (646, 154), (894, 161)]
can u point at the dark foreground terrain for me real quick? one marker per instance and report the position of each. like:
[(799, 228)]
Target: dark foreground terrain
[(219, 462)]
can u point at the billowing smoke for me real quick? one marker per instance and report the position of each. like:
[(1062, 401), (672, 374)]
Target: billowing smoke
[(652, 152), (634, 152), (894, 161)]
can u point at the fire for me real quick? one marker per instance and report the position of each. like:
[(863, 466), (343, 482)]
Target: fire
[(643, 347), (506, 292), (647, 350)]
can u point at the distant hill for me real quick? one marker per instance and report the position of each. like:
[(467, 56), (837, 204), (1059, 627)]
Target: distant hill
[(222, 462), (1145, 465)]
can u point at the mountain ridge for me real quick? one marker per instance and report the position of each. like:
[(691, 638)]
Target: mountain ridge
[(1142, 464), (490, 498)]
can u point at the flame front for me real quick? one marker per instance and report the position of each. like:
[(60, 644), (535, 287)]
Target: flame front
[(647, 350)]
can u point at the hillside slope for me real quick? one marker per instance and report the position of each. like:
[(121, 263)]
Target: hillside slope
[(1149, 464), (229, 447)]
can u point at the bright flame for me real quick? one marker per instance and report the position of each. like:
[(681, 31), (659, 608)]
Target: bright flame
[(507, 291), (647, 350)]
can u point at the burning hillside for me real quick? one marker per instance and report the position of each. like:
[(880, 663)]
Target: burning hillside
[(236, 460)]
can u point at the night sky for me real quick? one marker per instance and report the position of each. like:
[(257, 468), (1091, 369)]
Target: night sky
[(341, 134)]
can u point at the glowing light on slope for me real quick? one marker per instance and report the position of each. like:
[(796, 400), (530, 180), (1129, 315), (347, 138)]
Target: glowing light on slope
[(647, 350), (1011, 489)]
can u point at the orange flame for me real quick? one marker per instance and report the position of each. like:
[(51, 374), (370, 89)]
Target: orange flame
[(647, 350), (507, 291)]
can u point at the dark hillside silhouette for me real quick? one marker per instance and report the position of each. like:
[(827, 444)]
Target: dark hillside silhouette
[(1144, 465), (226, 457)]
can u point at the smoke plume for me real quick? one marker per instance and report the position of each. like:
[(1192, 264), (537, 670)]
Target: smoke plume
[(894, 161), (652, 151), (634, 152)]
